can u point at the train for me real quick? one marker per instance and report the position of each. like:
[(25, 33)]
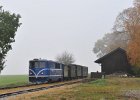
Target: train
[(42, 71)]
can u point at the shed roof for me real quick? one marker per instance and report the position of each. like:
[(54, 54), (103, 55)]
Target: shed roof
[(109, 54)]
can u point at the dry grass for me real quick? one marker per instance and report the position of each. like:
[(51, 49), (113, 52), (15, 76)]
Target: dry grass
[(103, 89), (38, 95), (30, 87)]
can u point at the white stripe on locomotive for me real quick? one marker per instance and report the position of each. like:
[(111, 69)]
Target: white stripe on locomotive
[(37, 75)]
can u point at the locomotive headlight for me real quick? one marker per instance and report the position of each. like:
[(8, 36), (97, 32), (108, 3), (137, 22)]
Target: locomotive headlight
[(42, 73), (30, 73)]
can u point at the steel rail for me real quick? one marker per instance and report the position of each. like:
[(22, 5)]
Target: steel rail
[(41, 88)]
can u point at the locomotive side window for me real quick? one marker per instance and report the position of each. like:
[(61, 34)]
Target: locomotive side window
[(42, 64), (37, 64), (51, 65), (57, 66)]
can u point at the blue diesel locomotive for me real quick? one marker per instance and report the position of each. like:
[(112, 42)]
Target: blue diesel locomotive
[(41, 71)]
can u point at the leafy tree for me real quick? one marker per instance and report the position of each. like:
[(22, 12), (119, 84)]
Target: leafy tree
[(65, 58), (137, 3), (136, 71), (109, 42), (9, 24), (129, 22), (126, 34)]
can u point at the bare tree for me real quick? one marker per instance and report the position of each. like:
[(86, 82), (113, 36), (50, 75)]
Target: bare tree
[(126, 34), (65, 58), (110, 42)]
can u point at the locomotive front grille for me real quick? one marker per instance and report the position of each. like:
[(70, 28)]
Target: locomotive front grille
[(38, 79)]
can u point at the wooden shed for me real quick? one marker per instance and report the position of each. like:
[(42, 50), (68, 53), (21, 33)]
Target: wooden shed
[(115, 61)]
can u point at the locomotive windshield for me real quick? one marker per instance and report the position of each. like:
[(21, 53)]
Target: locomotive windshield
[(37, 64)]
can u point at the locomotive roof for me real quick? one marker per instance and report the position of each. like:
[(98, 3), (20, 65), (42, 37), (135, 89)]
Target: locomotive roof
[(39, 60), (44, 60)]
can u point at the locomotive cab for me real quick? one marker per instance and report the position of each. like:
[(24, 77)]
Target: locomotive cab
[(42, 71), (38, 71)]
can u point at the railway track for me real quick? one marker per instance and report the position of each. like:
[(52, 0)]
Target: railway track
[(4, 95), (27, 85)]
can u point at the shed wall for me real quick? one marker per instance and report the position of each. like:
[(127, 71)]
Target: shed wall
[(117, 62)]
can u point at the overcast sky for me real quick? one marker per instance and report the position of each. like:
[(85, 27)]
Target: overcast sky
[(50, 27)]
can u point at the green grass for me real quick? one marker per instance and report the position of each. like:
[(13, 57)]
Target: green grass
[(13, 80), (99, 82), (102, 89)]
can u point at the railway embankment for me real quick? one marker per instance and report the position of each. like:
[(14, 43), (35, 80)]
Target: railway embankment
[(101, 89)]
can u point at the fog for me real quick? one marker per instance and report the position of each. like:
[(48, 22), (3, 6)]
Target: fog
[(50, 27)]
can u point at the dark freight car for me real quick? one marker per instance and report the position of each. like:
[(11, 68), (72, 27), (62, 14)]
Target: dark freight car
[(79, 71), (72, 71), (69, 72), (66, 70), (84, 71)]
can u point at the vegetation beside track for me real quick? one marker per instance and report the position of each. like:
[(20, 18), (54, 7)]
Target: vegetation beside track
[(106, 89), (35, 87), (102, 89), (13, 80)]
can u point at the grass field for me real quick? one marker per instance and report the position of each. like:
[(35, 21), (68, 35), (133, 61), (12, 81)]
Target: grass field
[(102, 89), (13, 80)]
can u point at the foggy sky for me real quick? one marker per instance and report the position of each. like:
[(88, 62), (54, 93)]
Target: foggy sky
[(50, 27)]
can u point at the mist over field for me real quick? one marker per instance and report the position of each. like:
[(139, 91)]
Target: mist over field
[(50, 27)]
